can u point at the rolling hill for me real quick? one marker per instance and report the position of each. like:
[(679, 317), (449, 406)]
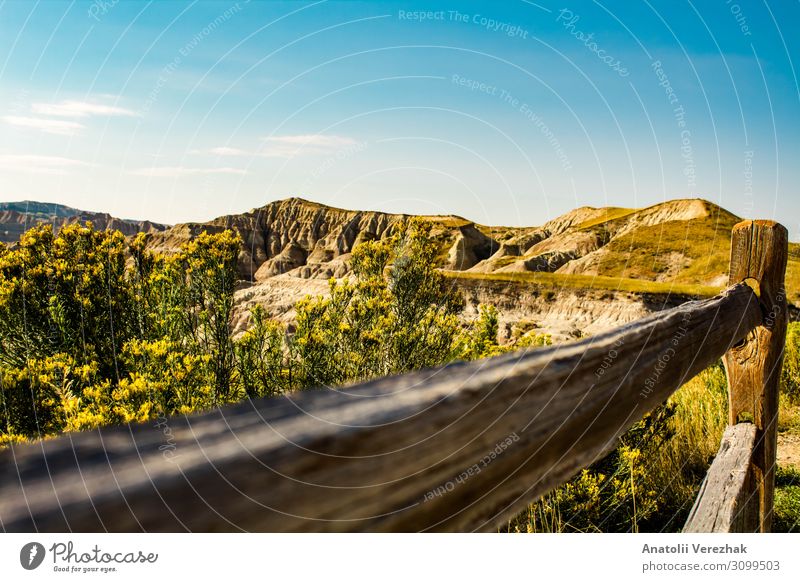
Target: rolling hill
[(558, 275), (675, 243), (18, 217)]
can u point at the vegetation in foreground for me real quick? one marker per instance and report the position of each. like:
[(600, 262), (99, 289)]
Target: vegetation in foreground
[(96, 330), (651, 480)]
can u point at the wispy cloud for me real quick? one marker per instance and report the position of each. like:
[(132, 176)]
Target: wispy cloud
[(178, 171), (56, 126), (287, 146), (226, 151), (80, 109), (39, 164), (41, 117)]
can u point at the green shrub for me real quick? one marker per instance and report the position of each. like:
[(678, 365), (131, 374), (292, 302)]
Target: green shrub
[(790, 374), (89, 338), (787, 500), (398, 314)]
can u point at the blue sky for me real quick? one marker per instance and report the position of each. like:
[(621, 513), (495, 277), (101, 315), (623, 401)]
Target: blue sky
[(503, 112)]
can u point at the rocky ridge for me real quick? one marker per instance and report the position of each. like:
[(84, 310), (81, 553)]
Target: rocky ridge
[(306, 240), (293, 246), (18, 217)]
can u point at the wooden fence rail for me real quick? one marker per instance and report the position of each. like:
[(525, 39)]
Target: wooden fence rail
[(457, 448), (725, 500)]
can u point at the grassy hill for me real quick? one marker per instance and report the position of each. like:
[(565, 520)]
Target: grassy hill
[(678, 246)]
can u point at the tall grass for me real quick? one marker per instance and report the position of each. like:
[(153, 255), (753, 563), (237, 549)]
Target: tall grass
[(787, 500), (677, 469), (650, 482), (571, 281)]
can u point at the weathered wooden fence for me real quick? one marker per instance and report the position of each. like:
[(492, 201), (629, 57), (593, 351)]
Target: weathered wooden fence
[(458, 448)]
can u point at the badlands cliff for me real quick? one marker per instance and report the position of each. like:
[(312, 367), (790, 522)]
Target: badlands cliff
[(307, 240), (293, 246)]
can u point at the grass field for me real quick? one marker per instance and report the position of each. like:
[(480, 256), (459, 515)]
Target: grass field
[(685, 284), (793, 274), (559, 280), (692, 251)]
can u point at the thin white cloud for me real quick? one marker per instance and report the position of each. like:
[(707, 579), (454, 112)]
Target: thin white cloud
[(42, 114), (312, 140), (56, 126), (287, 146), (178, 171), (80, 109), (39, 164), (226, 151)]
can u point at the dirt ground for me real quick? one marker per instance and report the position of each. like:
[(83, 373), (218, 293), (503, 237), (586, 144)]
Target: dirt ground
[(789, 449)]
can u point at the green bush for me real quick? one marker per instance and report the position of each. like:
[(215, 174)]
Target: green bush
[(398, 314), (87, 339), (259, 357), (787, 500), (90, 338)]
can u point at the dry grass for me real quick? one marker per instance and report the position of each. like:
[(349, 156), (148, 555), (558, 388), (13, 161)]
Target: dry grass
[(560, 280), (676, 468), (701, 415), (788, 416), (649, 252), (672, 465), (611, 213), (793, 274)]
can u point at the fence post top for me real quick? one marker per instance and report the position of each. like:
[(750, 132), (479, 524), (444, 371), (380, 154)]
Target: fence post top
[(761, 223)]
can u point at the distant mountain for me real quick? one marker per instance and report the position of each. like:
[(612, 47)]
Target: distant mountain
[(18, 217), (309, 240), (43, 210), (582, 272), (681, 241)]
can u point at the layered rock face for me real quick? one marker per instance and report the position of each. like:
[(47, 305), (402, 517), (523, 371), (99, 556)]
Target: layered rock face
[(291, 247), (306, 240), (564, 314), (290, 236)]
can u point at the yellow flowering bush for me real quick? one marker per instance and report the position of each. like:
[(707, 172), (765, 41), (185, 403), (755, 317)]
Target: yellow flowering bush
[(89, 338), (398, 314), (260, 357), (43, 396), (97, 330)]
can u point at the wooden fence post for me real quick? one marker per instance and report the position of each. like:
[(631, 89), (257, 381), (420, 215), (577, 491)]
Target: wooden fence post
[(759, 250)]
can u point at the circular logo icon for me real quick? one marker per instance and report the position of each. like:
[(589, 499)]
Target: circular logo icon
[(31, 555)]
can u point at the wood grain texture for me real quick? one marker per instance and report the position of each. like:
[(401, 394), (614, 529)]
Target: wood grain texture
[(724, 502), (759, 251), (457, 448)]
